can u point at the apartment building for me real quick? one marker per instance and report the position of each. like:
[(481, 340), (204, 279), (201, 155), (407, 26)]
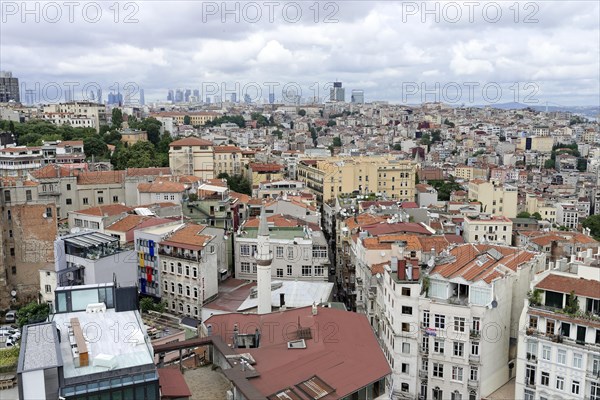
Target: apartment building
[(496, 200), (469, 173), (81, 113), (567, 215), (329, 178), (162, 190), (196, 118), (190, 268), (559, 334), (425, 195), (486, 228), (20, 161), (263, 172), (299, 250), (192, 156), (228, 160)]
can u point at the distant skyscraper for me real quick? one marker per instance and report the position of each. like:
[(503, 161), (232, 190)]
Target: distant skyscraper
[(178, 96), (197, 94), (30, 96), (9, 87), (337, 92), (115, 98), (68, 95), (170, 96), (358, 96), (271, 98), (207, 99), (247, 99), (142, 97), (188, 93), (234, 97), (99, 96)]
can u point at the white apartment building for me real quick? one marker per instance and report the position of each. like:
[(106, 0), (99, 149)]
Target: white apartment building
[(79, 113), (190, 269), (495, 200), (567, 215), (487, 229), (299, 251), (559, 334), (439, 325)]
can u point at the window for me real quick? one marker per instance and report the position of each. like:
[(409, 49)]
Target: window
[(459, 349), (560, 383), (459, 324), (100, 200), (425, 345), (48, 212), (529, 395), (7, 195), (319, 270), (457, 373), (438, 346), (455, 395), (475, 348), (405, 368), (405, 291), (48, 288), (474, 373), (546, 353), (577, 360), (69, 202), (28, 195), (85, 200), (404, 387), (319, 251), (187, 292), (406, 347), (425, 322), (14, 269), (279, 251), (179, 288), (545, 379), (179, 268), (289, 270), (407, 310), (253, 268), (187, 270), (438, 370), (549, 327), (12, 251), (194, 272), (575, 387), (561, 357), (172, 287), (280, 272), (440, 321), (530, 374), (245, 250), (595, 391), (196, 292), (116, 200), (68, 186), (306, 270), (290, 253), (245, 267)]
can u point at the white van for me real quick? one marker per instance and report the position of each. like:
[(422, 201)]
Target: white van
[(10, 317)]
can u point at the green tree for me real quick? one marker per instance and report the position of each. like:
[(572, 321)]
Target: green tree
[(581, 164), (331, 122), (550, 164), (593, 224), (277, 133), (95, 147), (445, 188), (32, 313), (536, 215), (416, 178), (398, 147), (436, 136), (337, 142), (237, 183), (302, 112), (523, 214), (187, 120), (117, 118), (426, 139), (572, 303)]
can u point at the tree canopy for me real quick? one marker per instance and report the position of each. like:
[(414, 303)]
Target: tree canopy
[(32, 313), (237, 183), (593, 224)]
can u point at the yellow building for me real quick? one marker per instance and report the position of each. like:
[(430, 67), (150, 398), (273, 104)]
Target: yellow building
[(468, 173), (543, 144), (495, 200), (192, 156), (227, 159), (328, 178), (261, 172), (132, 137), (196, 118)]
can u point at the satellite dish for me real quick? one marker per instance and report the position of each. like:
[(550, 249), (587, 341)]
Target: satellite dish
[(494, 304), (13, 293)]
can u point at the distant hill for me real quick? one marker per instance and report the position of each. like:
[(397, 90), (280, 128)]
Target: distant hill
[(586, 111)]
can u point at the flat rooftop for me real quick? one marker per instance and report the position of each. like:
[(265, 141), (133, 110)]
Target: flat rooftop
[(39, 347), (161, 229), (297, 294), (120, 335)]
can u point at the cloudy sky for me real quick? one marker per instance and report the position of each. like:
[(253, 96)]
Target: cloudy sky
[(405, 52)]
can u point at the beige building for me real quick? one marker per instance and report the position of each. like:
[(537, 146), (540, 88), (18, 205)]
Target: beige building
[(228, 160), (543, 144), (496, 200), (77, 114), (331, 177), (487, 229), (196, 118), (468, 173), (131, 137), (258, 173), (192, 156)]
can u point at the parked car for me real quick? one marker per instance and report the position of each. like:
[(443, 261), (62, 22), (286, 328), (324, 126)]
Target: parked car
[(10, 317), (15, 336), (11, 342)]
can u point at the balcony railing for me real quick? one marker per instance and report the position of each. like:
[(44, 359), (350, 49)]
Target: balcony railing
[(472, 383), (178, 254), (423, 374), (474, 358), (474, 334)]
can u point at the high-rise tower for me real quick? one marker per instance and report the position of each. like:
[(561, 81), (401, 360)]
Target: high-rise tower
[(263, 258)]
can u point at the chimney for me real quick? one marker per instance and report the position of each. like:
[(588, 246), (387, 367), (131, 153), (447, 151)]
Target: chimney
[(314, 309), (409, 271), (572, 258)]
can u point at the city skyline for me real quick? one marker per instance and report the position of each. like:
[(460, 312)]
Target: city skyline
[(546, 45)]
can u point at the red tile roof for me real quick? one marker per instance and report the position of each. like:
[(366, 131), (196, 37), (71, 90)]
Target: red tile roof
[(100, 177), (161, 186), (260, 167), (189, 237), (565, 284), (152, 171), (343, 353), (109, 210), (191, 141)]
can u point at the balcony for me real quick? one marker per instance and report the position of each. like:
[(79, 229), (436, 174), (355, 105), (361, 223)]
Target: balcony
[(423, 374), (178, 254), (595, 375), (474, 358), (474, 334), (472, 384), (531, 357)]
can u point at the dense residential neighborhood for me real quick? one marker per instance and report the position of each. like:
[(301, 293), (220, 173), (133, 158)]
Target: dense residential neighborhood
[(442, 237)]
